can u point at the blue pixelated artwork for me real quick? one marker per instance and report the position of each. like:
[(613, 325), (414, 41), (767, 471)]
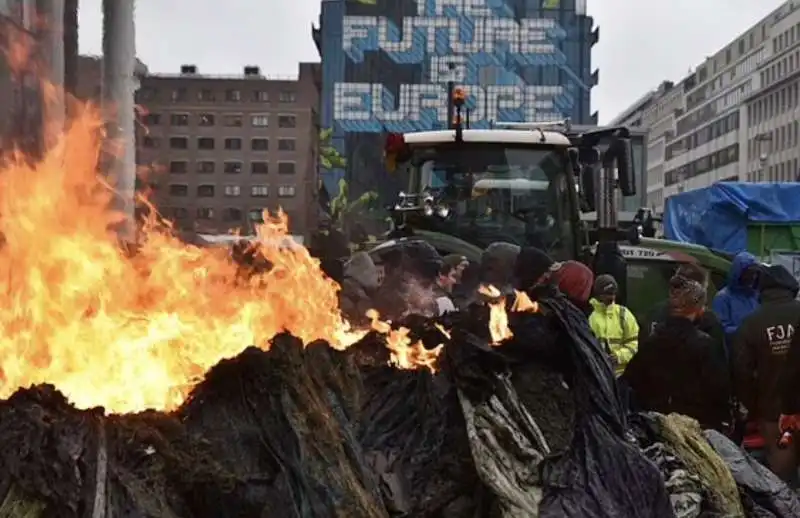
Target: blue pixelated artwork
[(477, 44)]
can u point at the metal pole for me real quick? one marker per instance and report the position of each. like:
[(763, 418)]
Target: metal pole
[(119, 84), (70, 48), (52, 44), (451, 87)]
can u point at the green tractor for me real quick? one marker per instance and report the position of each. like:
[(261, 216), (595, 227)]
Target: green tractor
[(530, 184)]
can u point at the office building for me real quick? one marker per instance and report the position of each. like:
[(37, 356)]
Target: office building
[(385, 68), (734, 118), (224, 148)]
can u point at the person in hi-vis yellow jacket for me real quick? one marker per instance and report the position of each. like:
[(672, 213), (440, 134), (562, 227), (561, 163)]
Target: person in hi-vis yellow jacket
[(613, 324)]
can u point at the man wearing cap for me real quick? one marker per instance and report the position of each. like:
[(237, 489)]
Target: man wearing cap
[(675, 371), (614, 325)]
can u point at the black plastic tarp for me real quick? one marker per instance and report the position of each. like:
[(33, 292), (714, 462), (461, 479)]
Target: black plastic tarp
[(510, 449), (279, 421), (765, 494), (594, 476)]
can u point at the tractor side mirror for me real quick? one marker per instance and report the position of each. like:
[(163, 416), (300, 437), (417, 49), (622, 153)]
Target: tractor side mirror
[(588, 187), (589, 157), (623, 152)]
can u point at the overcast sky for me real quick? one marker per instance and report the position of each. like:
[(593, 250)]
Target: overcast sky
[(642, 42)]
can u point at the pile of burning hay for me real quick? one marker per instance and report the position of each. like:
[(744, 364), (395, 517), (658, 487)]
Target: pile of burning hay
[(265, 430), (308, 430)]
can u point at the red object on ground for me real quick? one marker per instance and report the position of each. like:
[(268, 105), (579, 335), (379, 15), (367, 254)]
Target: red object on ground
[(752, 437), (786, 440)]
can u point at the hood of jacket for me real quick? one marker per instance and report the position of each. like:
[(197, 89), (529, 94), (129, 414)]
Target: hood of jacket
[(741, 262), (362, 269), (778, 284), (598, 306)]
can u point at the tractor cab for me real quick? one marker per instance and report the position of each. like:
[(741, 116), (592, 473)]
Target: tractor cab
[(524, 183), (488, 185)]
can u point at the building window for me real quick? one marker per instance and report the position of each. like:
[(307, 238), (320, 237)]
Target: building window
[(286, 191), (178, 189), (206, 95), (151, 142), (259, 191), (205, 191), (206, 119), (179, 213), (259, 121), (146, 94), (286, 144), (205, 213), (233, 191), (259, 167), (178, 143), (179, 119), (256, 215), (205, 143), (151, 119), (233, 96), (286, 167), (232, 121), (288, 97), (259, 144), (179, 167), (206, 166), (260, 96), (233, 144), (232, 214), (287, 121), (233, 167), (180, 95)]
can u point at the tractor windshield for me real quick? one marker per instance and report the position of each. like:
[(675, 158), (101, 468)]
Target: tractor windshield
[(511, 193)]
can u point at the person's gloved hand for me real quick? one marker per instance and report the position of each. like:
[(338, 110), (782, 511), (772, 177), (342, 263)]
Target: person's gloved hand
[(789, 423)]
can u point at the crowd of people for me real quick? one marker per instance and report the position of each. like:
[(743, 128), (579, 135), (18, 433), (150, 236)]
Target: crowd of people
[(728, 362)]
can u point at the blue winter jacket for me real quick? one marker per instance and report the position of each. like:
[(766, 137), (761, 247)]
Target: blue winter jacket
[(734, 302)]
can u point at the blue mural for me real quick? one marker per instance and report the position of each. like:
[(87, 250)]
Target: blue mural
[(386, 67)]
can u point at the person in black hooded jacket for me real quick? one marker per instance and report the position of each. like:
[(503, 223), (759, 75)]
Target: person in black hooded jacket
[(675, 369), (760, 348)]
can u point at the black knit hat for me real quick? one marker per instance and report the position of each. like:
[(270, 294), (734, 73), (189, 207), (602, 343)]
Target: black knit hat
[(531, 264), (421, 258)]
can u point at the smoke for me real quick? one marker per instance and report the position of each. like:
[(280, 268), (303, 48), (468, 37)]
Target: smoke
[(419, 297)]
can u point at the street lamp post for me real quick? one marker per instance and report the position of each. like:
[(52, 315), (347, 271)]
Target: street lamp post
[(763, 155), (118, 87), (53, 101)]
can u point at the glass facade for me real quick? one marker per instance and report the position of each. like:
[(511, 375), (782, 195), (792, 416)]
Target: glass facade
[(385, 68)]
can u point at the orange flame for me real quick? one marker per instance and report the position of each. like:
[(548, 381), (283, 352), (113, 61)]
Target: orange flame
[(133, 333), (499, 329), (403, 353), (498, 318)]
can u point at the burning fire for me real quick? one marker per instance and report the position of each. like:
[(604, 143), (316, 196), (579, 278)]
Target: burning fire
[(498, 316), (403, 353), (130, 333), (135, 331)]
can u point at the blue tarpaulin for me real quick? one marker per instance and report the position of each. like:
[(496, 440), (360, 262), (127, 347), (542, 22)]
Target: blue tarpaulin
[(717, 216)]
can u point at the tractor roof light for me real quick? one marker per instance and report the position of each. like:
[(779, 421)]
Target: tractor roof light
[(459, 97), (395, 150)]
